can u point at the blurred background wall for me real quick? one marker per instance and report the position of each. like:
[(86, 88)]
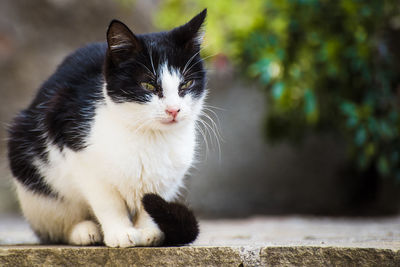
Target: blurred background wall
[(247, 176)]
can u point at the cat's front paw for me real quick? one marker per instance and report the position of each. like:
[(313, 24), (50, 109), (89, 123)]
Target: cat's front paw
[(150, 237), (85, 233), (122, 237)]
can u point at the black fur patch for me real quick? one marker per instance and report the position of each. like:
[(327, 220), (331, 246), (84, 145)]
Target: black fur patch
[(70, 96), (25, 144), (176, 221)]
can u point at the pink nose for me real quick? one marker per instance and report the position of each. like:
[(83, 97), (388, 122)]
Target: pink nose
[(172, 111)]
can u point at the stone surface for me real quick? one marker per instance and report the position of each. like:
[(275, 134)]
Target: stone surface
[(329, 256), (258, 241), (300, 231), (197, 256), (101, 256)]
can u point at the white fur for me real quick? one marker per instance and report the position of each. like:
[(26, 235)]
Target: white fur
[(170, 81), (85, 233), (131, 151)]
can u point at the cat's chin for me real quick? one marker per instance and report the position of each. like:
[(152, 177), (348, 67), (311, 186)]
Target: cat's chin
[(170, 124)]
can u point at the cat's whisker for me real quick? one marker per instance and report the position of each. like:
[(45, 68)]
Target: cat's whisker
[(215, 114), (215, 126), (5, 125), (200, 60), (198, 127), (151, 73), (190, 60), (151, 76), (192, 75), (199, 71), (151, 60), (214, 107), (198, 75), (210, 108), (125, 92), (207, 132), (212, 130)]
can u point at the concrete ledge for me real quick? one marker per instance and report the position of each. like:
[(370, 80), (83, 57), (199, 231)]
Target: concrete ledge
[(257, 241), (329, 256), (197, 256), (101, 256)]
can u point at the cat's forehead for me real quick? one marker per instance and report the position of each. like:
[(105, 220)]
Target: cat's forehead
[(163, 49), (158, 42)]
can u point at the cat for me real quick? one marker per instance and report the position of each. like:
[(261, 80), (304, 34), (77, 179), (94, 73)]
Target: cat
[(115, 122)]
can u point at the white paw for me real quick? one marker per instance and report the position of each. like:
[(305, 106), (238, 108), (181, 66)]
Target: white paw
[(85, 233), (150, 236), (122, 237)]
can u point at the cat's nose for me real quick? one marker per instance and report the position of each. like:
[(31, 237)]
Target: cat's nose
[(172, 111)]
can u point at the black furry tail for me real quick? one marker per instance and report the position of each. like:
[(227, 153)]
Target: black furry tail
[(177, 222)]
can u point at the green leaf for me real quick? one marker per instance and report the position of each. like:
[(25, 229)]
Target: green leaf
[(383, 165), (360, 137), (310, 105), (278, 90)]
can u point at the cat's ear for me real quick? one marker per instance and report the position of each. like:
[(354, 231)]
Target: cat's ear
[(121, 41), (191, 33)]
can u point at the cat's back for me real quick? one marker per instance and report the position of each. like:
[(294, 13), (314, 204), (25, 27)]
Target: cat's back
[(78, 75), (66, 102), (61, 113)]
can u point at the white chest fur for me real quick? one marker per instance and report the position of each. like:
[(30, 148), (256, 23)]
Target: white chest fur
[(137, 162)]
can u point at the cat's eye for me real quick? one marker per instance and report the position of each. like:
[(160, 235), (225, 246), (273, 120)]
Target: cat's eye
[(148, 86), (187, 85)]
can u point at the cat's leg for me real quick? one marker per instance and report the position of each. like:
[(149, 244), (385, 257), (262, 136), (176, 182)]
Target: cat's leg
[(150, 233), (52, 218), (111, 212)]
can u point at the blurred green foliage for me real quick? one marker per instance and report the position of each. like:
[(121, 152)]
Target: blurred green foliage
[(325, 65)]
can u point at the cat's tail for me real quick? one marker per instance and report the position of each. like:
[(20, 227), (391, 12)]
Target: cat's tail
[(175, 220)]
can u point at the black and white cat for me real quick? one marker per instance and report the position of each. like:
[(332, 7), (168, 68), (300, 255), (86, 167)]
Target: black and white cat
[(114, 122)]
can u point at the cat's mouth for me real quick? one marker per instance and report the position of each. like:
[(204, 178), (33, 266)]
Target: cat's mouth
[(169, 121)]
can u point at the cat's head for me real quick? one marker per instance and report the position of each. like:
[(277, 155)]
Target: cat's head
[(155, 80)]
